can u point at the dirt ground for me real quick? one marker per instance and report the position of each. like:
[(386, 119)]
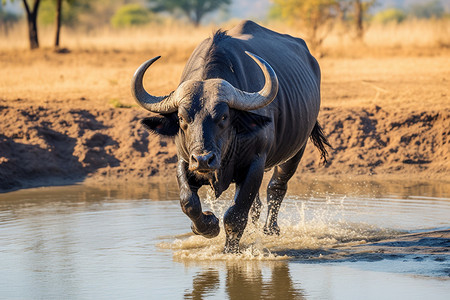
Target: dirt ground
[(70, 117)]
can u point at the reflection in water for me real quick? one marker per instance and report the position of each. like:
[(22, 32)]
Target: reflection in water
[(246, 280), (25, 203), (105, 241), (205, 283), (371, 188), (280, 285)]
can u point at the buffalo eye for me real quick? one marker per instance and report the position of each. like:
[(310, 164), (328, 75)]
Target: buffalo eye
[(183, 123), (223, 121)]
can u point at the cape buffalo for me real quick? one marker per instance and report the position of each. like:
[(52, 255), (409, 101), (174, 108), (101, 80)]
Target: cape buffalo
[(247, 102)]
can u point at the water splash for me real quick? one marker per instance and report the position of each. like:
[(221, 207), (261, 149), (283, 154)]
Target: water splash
[(310, 228)]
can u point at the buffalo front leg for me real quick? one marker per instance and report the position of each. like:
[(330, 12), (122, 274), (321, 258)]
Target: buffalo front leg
[(276, 190), (236, 217), (255, 210), (203, 223)]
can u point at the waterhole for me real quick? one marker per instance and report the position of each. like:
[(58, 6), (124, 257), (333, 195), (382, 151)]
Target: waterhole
[(339, 240)]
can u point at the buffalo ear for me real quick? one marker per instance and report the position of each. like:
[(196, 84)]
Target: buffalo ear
[(246, 122), (166, 124)]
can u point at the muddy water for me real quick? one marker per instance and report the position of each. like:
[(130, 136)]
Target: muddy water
[(339, 240)]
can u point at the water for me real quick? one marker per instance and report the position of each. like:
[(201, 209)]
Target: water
[(339, 240)]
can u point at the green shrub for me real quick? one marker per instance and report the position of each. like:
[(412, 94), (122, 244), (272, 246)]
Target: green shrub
[(131, 15), (389, 15)]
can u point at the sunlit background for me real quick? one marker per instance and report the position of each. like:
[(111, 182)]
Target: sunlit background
[(89, 207), (320, 22)]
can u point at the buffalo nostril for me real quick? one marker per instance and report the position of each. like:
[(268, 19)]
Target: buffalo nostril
[(211, 159)]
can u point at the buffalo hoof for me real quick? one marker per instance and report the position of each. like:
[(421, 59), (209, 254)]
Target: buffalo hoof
[(272, 230), (209, 227)]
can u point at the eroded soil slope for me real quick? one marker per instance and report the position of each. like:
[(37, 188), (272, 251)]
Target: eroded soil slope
[(42, 145)]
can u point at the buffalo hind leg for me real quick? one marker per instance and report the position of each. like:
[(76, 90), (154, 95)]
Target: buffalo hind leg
[(276, 190)]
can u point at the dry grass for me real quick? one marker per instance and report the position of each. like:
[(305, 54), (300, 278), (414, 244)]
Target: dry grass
[(414, 83), (390, 68), (409, 34), (173, 35), (157, 36)]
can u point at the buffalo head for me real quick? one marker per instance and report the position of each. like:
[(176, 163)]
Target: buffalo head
[(206, 115)]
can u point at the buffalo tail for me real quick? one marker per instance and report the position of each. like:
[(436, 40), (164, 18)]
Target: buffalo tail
[(320, 141)]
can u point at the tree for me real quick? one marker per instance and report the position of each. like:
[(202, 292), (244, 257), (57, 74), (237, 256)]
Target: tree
[(32, 12), (59, 16), (360, 10), (32, 23), (61, 13), (58, 22), (314, 16), (194, 10)]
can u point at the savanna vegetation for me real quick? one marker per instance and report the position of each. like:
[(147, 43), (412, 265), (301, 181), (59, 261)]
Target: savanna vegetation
[(68, 115)]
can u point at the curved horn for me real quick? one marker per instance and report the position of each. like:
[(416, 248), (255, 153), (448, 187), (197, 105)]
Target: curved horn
[(251, 101), (163, 104)]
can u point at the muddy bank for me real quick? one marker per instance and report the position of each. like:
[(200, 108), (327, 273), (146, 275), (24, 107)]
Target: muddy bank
[(425, 243), (50, 145)]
